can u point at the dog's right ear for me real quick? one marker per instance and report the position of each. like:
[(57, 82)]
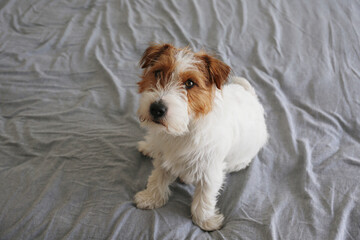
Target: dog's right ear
[(217, 70), (152, 53)]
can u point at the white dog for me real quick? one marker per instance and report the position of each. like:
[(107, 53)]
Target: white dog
[(198, 128)]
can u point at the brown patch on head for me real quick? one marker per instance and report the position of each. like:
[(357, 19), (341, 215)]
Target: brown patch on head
[(200, 97), (212, 72), (159, 62)]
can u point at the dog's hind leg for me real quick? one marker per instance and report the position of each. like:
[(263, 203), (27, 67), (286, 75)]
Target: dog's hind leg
[(237, 166)]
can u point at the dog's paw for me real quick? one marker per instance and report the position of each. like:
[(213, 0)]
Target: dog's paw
[(148, 200), (212, 223), (144, 148)]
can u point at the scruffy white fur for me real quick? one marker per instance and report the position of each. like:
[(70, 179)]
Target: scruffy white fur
[(201, 150)]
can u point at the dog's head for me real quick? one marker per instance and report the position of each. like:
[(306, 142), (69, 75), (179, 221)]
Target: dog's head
[(177, 86)]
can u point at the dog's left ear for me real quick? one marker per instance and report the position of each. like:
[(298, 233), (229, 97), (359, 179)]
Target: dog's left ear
[(218, 71), (152, 53)]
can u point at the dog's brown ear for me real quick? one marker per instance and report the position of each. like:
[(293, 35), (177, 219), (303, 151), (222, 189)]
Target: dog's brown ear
[(217, 70), (152, 53)]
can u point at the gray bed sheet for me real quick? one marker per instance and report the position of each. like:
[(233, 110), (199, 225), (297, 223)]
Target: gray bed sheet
[(69, 167)]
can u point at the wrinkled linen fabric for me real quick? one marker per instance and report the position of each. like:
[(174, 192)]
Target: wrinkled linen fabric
[(69, 167)]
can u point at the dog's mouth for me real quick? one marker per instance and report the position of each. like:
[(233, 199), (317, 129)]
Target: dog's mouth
[(156, 121), (159, 122)]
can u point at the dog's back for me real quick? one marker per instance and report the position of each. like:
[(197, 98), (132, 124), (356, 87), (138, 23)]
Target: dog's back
[(248, 123), (245, 83)]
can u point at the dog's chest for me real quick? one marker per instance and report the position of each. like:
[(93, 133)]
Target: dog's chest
[(190, 170), (183, 158)]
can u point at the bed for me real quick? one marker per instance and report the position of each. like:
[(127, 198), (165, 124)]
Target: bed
[(69, 167)]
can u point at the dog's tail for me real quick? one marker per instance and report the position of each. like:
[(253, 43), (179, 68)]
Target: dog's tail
[(245, 84)]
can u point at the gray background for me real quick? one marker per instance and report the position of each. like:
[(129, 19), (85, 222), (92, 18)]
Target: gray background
[(68, 128)]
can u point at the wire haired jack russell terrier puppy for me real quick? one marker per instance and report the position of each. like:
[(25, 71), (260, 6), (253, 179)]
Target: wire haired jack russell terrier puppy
[(198, 128)]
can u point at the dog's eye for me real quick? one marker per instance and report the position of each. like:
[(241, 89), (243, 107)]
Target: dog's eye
[(189, 84), (157, 74)]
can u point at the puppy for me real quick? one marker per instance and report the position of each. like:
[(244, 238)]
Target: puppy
[(198, 128)]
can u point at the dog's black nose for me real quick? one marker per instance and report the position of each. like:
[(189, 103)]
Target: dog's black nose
[(158, 109)]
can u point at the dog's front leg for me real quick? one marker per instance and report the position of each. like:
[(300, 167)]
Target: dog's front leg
[(157, 191), (203, 208), (146, 148)]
